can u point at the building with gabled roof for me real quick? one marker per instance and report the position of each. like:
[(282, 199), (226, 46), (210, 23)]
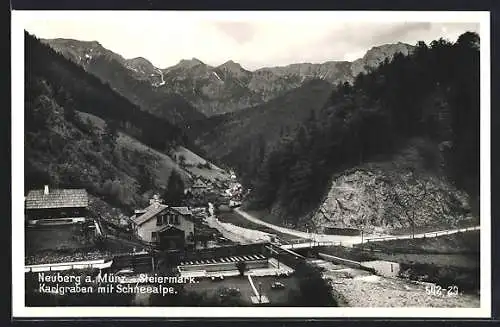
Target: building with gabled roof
[(162, 225), (199, 187), (198, 183), (56, 204)]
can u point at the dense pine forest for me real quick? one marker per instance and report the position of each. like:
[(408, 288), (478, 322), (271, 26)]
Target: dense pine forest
[(431, 95)]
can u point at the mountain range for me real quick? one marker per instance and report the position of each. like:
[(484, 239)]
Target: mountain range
[(191, 89)]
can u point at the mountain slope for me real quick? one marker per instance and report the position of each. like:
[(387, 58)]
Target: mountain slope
[(241, 139), (80, 133), (135, 79)]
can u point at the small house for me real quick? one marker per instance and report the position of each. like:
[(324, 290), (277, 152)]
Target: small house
[(56, 205), (199, 187), (163, 226)]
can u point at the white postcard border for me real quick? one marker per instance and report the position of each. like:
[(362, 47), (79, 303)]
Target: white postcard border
[(19, 310)]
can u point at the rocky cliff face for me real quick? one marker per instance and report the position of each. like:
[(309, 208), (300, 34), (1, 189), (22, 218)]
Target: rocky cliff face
[(391, 196), (82, 52), (376, 55), (144, 70)]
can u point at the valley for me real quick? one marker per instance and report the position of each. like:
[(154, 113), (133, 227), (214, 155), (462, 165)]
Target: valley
[(309, 175)]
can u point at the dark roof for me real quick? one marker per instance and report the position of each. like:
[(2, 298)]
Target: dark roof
[(151, 211), (199, 184), (161, 229), (57, 198), (183, 210)]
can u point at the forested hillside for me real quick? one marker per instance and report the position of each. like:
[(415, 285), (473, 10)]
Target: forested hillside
[(415, 117), (65, 149), (241, 138)]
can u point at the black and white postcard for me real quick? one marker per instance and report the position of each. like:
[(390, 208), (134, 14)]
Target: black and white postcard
[(243, 164)]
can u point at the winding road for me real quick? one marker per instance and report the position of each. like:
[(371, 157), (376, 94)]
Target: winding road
[(344, 240)]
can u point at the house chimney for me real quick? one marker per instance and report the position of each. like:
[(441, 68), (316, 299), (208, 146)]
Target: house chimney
[(156, 201), (46, 190)]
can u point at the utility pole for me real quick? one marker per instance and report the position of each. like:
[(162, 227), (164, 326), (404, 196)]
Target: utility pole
[(277, 255), (412, 221), (363, 228), (152, 258)]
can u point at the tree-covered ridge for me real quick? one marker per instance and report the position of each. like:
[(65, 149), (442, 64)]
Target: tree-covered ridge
[(432, 94), (74, 87), (63, 148)]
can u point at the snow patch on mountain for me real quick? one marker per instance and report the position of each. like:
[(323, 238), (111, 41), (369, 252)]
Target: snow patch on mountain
[(216, 75), (162, 80)]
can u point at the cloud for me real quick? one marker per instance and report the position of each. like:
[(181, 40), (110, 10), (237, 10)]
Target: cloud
[(240, 32), (352, 40)]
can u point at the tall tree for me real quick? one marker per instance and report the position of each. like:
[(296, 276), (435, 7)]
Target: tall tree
[(174, 194), (110, 133)]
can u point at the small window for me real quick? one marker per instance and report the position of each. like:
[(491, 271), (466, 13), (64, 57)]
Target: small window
[(153, 236), (159, 221), (177, 220)]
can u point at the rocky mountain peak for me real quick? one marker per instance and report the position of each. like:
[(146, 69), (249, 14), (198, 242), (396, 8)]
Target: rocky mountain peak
[(189, 63), (139, 61), (377, 54), (388, 50), (231, 66)]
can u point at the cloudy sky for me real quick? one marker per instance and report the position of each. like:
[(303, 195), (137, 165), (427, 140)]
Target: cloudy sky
[(252, 41)]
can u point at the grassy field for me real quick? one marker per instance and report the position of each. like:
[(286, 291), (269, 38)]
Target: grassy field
[(441, 260), (63, 243), (459, 260), (348, 253), (63, 237), (465, 242), (164, 164), (427, 229), (192, 160)]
